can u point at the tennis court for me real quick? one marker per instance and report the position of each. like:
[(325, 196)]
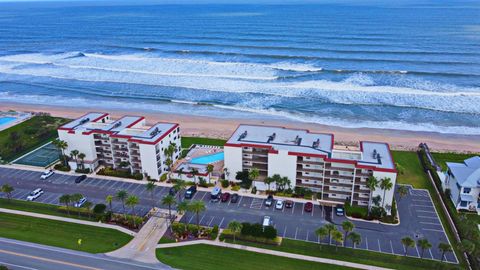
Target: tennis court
[(41, 157)]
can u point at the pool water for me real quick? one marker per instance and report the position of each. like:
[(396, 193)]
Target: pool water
[(6, 119), (208, 159)]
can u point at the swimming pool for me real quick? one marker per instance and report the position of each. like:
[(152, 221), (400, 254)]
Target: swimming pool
[(6, 119), (208, 159)]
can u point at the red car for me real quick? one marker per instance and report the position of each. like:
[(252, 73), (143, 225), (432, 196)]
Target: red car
[(308, 207), (225, 197)]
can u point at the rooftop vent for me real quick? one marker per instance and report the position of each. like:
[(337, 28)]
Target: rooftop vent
[(84, 120), (374, 153), (154, 132), (271, 137), (117, 124), (298, 140), (243, 135), (316, 144)]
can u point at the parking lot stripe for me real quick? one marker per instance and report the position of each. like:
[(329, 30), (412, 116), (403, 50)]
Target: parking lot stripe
[(239, 201), (366, 241), (427, 217), (313, 209), (433, 230), (189, 221), (220, 225), (296, 231), (106, 182), (429, 223), (430, 251), (379, 248), (303, 208), (419, 205), (204, 194), (418, 253), (424, 211), (202, 219), (391, 246), (293, 207), (285, 231), (135, 189), (211, 220), (307, 235)]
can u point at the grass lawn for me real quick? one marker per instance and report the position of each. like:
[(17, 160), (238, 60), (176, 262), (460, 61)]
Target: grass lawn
[(188, 141), (26, 136), (442, 158), (166, 240), (35, 207), (348, 254), (61, 234), (206, 257)]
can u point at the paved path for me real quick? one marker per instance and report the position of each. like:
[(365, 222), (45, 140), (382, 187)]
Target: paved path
[(29, 256), (71, 220), (142, 247), (273, 252)]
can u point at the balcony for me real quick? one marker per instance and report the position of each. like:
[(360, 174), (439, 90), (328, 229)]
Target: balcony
[(330, 167), (304, 169), (310, 177), (100, 143), (117, 142), (135, 153), (338, 184), (256, 166), (256, 159), (329, 197), (334, 191), (133, 146)]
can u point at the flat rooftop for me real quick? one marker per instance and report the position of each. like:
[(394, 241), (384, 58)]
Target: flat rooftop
[(303, 141), (131, 126)]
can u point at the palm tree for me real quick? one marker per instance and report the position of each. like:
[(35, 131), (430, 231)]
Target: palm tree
[(122, 195), (209, 171), (254, 174), (7, 189), (88, 206), (131, 201), (286, 182), (197, 207), (385, 184), (183, 208), (402, 191), (169, 200), (62, 145), (444, 248), (372, 183), (347, 226), (330, 228), (321, 232), (407, 242), (109, 200), (150, 187), (278, 181), (74, 154), (169, 151), (355, 238), (268, 181), (235, 227), (423, 244), (226, 172), (178, 186), (337, 236), (75, 198), (467, 246), (66, 199), (82, 156), (194, 172)]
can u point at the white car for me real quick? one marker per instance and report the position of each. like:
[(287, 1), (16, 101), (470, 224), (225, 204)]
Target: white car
[(46, 174), (279, 205), (80, 202), (267, 221), (35, 194)]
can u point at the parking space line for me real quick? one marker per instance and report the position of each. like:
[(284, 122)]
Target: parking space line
[(200, 222), (433, 230), (106, 182), (419, 205), (313, 209), (424, 211), (220, 225), (307, 235), (366, 242), (418, 253), (211, 220), (293, 207), (55, 199), (427, 217), (379, 248), (285, 231), (239, 201), (391, 246), (135, 189), (204, 194), (430, 251), (303, 208), (296, 231), (190, 221), (429, 223)]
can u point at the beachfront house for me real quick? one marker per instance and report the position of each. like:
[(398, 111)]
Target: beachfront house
[(126, 143), (463, 181), (338, 174)]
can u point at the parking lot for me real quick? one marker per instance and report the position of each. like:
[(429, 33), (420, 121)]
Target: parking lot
[(417, 214)]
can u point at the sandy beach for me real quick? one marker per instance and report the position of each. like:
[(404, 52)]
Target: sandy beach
[(222, 128)]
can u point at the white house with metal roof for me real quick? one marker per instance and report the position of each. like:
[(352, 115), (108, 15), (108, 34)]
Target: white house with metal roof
[(463, 180)]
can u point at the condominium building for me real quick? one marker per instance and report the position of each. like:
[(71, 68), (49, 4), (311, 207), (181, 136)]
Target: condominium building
[(463, 180), (122, 143), (311, 160)]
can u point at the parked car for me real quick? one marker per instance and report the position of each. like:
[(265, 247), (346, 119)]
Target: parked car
[(288, 204), (269, 200), (80, 202), (234, 198), (172, 191), (35, 194), (215, 194), (80, 178), (279, 205), (267, 221), (339, 211), (308, 207), (46, 174), (225, 197), (190, 192)]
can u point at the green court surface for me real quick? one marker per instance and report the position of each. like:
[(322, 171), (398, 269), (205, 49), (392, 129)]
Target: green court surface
[(41, 157)]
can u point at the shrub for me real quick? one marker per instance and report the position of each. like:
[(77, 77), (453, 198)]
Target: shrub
[(108, 171), (235, 188), (61, 167), (254, 190), (214, 233), (86, 170), (99, 208), (356, 211), (244, 177), (224, 183), (163, 177), (270, 232)]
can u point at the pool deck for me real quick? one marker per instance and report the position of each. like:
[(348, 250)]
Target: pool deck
[(19, 118), (200, 151)]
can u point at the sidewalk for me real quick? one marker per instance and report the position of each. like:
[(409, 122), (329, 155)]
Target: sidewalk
[(275, 253), (71, 220), (143, 245)]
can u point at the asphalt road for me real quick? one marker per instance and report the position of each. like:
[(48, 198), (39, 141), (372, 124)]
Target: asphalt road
[(28, 256), (417, 214)]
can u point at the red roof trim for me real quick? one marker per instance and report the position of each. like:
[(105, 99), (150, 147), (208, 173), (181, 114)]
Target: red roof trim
[(135, 122), (157, 140), (100, 117)]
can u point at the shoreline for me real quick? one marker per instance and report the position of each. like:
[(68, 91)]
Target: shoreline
[(200, 126)]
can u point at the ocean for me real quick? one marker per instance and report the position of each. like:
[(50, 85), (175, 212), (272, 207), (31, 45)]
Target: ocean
[(408, 67)]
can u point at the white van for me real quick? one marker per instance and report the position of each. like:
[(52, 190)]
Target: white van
[(267, 221), (35, 194), (215, 194)]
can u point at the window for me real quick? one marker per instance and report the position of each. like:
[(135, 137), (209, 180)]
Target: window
[(466, 190), (463, 204)]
